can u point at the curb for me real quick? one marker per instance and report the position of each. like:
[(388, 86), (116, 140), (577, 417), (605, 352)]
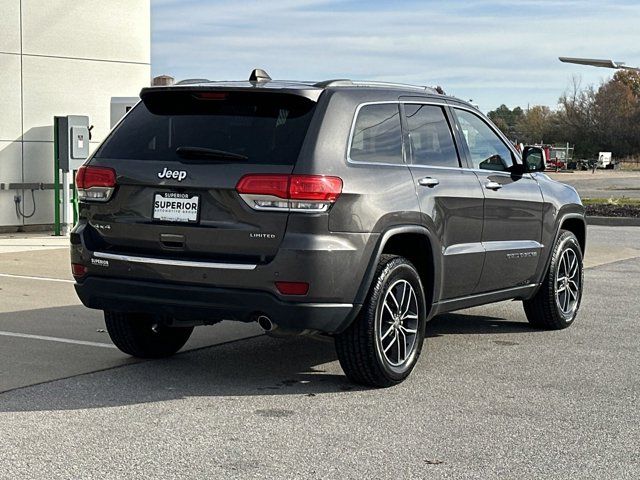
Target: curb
[(27, 228), (614, 221)]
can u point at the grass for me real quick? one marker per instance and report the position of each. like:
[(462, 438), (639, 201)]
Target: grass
[(612, 207), (629, 167)]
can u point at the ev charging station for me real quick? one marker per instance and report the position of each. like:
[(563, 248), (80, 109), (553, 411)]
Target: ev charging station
[(71, 135)]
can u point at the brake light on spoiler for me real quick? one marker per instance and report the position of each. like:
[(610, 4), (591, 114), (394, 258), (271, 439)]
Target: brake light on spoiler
[(95, 184), (295, 193)]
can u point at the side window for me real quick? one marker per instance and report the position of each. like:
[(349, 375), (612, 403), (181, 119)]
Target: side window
[(431, 138), (377, 136), (487, 149)]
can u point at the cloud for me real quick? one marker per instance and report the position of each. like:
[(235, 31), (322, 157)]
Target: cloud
[(493, 51)]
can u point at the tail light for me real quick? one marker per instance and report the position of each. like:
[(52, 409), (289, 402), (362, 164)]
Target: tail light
[(292, 288), (299, 193), (78, 270), (95, 183)]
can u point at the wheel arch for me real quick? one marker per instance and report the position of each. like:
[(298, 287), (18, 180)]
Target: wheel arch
[(418, 245), (575, 224)]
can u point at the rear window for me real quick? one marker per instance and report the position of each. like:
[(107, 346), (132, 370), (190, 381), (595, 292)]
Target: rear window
[(265, 128), (377, 136)]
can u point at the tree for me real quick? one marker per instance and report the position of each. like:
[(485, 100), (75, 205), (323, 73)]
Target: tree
[(506, 119), (630, 78), (593, 119), (576, 119), (606, 119), (534, 124), (615, 106)]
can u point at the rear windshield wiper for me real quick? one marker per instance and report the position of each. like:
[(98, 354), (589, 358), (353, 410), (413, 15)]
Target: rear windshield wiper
[(200, 154)]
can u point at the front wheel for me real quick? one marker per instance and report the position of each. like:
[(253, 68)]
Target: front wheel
[(143, 336), (382, 345), (556, 304)]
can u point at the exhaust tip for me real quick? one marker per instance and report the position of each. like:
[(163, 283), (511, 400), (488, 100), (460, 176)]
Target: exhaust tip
[(265, 323)]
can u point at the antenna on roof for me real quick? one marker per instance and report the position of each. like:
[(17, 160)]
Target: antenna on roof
[(258, 75)]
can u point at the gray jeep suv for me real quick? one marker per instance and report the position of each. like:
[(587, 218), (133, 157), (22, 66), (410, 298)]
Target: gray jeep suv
[(358, 210)]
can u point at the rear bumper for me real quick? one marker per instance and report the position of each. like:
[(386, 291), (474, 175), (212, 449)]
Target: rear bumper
[(199, 305)]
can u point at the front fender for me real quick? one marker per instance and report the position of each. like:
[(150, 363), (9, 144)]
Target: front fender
[(567, 212)]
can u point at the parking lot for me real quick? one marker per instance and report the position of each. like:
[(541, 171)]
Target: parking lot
[(490, 397), (602, 183)]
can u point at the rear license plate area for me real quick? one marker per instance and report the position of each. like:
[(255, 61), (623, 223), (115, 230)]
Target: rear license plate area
[(176, 207)]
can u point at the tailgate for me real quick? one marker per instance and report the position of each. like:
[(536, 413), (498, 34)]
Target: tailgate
[(178, 157)]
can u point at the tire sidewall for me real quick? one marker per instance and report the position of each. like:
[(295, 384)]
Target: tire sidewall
[(566, 240), (398, 269)]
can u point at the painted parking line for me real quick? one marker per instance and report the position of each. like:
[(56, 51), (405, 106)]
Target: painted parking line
[(57, 339), (29, 277)]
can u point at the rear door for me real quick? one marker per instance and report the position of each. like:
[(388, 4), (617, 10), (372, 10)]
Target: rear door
[(512, 229), (451, 199), (178, 157)]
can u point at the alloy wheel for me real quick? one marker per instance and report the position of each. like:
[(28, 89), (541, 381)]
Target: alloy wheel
[(567, 283), (397, 323)]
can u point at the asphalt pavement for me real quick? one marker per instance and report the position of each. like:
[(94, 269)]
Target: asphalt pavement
[(602, 183), (489, 398)]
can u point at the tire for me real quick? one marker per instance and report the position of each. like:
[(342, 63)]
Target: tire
[(361, 346), (142, 336), (556, 303)]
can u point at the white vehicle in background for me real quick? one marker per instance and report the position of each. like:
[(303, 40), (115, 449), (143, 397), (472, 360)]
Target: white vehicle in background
[(604, 160)]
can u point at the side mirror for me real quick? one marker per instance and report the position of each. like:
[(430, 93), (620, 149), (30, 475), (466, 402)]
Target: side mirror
[(533, 158)]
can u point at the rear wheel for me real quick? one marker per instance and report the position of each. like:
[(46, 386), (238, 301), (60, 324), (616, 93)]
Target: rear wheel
[(382, 345), (556, 304), (143, 336)]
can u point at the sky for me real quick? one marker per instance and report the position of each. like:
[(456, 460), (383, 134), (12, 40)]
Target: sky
[(491, 51)]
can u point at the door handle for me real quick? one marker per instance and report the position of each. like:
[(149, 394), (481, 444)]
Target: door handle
[(493, 185), (169, 240), (428, 182)]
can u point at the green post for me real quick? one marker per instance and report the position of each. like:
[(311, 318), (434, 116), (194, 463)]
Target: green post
[(56, 181)]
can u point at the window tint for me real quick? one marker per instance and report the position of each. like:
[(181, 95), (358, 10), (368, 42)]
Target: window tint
[(377, 136), (431, 138), (265, 128), (487, 150)]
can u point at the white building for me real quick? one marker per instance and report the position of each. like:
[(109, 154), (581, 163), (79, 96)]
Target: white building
[(61, 57)]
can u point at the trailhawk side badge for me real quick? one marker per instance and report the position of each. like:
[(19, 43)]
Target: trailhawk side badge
[(517, 255)]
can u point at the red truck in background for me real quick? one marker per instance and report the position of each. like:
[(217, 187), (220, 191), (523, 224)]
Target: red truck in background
[(556, 157)]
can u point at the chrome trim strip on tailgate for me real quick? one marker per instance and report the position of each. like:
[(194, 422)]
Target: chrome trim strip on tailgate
[(176, 263)]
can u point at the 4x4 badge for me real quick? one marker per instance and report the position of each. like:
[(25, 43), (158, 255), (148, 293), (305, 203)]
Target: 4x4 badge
[(175, 174)]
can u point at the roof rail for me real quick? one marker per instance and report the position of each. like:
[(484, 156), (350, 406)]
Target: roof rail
[(338, 82), (368, 83), (191, 81)]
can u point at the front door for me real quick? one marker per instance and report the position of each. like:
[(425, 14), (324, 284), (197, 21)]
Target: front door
[(512, 228)]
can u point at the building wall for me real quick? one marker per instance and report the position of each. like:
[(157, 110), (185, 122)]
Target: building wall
[(62, 57)]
